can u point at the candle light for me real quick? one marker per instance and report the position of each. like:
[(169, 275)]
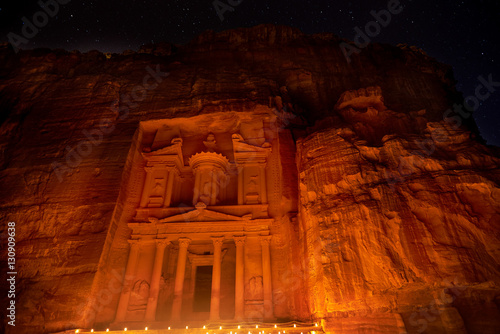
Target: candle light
[(145, 328), (107, 329), (125, 329), (187, 327)]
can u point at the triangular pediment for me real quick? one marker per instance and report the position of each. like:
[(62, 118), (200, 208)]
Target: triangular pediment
[(244, 147), (169, 150), (201, 214), (239, 145)]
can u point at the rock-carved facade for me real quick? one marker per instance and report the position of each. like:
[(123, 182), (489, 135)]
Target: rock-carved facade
[(378, 215), (200, 243)]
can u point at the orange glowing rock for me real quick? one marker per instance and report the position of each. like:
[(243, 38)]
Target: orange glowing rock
[(251, 185)]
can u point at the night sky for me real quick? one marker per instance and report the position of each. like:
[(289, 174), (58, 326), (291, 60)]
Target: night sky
[(464, 34)]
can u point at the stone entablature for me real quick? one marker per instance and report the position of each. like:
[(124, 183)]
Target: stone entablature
[(255, 210)]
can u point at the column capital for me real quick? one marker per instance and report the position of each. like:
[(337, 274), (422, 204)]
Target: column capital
[(239, 240), (162, 243), (184, 242), (217, 241), (134, 242), (265, 239)]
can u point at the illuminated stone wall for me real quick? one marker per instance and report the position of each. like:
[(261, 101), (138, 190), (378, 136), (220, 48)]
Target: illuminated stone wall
[(373, 226)]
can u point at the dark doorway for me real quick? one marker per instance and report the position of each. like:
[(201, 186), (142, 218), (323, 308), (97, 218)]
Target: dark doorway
[(202, 289)]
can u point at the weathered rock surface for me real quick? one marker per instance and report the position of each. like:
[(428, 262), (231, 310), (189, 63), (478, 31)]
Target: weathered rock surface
[(399, 211)]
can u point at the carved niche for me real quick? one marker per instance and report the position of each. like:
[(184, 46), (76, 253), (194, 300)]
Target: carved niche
[(163, 168), (251, 162)]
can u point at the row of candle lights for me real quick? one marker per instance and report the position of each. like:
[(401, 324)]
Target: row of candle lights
[(220, 328)]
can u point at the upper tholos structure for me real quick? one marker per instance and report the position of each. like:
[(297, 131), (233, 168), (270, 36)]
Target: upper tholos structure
[(252, 177)]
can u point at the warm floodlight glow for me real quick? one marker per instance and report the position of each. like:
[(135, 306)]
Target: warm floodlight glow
[(77, 331)]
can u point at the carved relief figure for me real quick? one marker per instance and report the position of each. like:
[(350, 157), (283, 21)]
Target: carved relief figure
[(210, 143), (139, 296), (255, 288), (206, 193), (159, 188), (252, 195)]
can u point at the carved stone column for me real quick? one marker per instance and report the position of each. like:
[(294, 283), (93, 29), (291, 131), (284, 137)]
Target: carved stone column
[(239, 284), (197, 186), (210, 170), (263, 183), (266, 278), (240, 185), (133, 256), (170, 186), (216, 273), (154, 289), (179, 279), (147, 186)]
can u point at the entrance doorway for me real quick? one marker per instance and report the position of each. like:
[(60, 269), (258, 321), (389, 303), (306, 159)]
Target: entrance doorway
[(202, 289)]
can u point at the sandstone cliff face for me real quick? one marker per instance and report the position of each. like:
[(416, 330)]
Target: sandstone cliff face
[(390, 227), (391, 235)]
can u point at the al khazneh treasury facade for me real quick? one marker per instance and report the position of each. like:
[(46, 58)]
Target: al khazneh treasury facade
[(263, 181), (206, 224)]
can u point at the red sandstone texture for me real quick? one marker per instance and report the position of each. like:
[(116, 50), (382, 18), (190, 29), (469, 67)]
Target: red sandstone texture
[(390, 215)]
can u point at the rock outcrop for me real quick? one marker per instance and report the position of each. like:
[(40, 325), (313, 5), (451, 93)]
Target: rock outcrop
[(398, 210)]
